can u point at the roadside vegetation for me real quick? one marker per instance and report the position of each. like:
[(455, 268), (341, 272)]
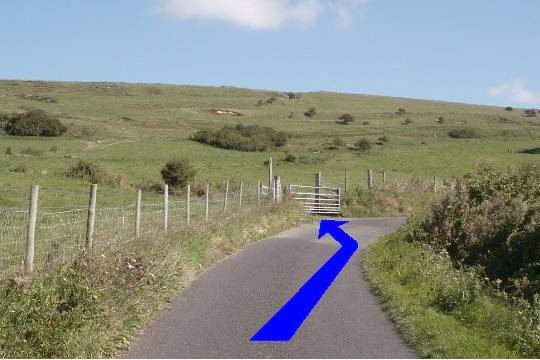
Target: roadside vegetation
[(463, 280), (94, 307)]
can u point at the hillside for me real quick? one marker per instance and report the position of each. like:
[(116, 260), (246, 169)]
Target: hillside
[(131, 130)]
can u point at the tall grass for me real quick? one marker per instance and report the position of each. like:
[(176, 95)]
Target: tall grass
[(95, 306)]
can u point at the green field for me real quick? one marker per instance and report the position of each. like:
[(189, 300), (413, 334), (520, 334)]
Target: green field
[(132, 129)]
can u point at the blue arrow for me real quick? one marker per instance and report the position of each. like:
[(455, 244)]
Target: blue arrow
[(286, 322)]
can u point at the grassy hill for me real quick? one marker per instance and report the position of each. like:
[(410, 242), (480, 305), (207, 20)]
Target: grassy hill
[(131, 130)]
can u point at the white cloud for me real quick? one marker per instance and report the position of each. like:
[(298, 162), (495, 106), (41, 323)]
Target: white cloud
[(260, 14), (516, 91)]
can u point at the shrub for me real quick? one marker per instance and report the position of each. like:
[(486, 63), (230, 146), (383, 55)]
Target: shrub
[(401, 111), (465, 133), (531, 151), (509, 108), (311, 112), (9, 151), (178, 172), (529, 113), (4, 117), (441, 119), (407, 121), (95, 174), (383, 139), (34, 123), (243, 138), (346, 118), (491, 219), (365, 123), (291, 95), (363, 145)]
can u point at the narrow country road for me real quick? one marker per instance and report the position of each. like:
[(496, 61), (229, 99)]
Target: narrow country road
[(218, 314)]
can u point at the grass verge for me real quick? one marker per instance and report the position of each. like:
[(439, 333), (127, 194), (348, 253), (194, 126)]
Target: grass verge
[(444, 311), (93, 307)]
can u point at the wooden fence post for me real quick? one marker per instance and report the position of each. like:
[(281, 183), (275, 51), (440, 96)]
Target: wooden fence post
[(91, 217), (206, 203), (31, 230), (240, 196), (370, 179), (270, 173), (435, 184), (259, 190), (318, 185), (188, 204), (346, 180), (277, 186), (226, 197), (165, 207), (138, 213), (384, 178)]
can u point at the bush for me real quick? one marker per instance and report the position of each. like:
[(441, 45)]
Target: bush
[(531, 151), (291, 95), (34, 123), (465, 133), (346, 118), (85, 170), (491, 219), (383, 139), (407, 121), (178, 172), (311, 112), (363, 145), (529, 113), (401, 111), (9, 151), (243, 138), (509, 108)]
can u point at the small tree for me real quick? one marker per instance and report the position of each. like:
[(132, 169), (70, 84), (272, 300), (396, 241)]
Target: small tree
[(178, 172), (346, 118), (291, 95), (363, 145), (311, 112), (529, 113), (509, 108)]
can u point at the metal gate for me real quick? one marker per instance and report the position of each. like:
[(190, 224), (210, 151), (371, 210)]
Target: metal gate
[(317, 199)]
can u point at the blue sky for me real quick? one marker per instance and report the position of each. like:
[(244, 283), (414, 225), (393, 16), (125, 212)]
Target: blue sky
[(474, 51)]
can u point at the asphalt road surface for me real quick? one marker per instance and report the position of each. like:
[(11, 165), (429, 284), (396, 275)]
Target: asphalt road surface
[(218, 314)]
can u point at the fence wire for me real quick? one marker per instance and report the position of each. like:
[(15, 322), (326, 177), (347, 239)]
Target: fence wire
[(61, 232)]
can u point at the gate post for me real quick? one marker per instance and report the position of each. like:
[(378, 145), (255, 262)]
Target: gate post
[(318, 185), (277, 188)]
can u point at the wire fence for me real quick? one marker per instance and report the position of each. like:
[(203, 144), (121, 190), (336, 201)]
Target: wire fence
[(62, 232)]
